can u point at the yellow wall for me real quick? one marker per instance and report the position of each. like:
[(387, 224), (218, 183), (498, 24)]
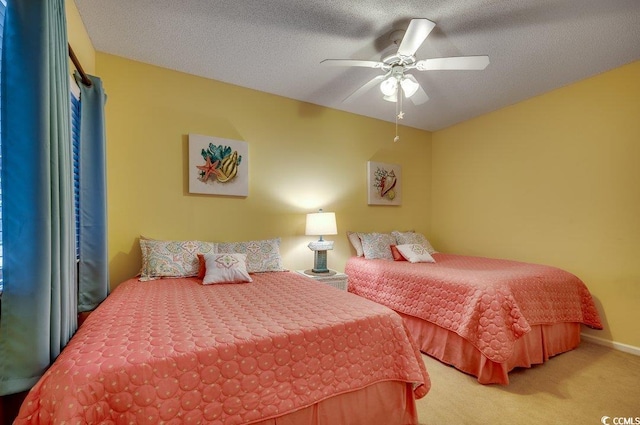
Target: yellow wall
[(301, 157), (79, 39), (556, 180)]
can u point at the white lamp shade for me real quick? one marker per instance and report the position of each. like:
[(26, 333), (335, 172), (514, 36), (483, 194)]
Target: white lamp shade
[(321, 223)]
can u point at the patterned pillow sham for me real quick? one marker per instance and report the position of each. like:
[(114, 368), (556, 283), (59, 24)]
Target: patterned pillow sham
[(404, 238), (415, 253), (171, 258), (226, 268), (377, 245), (262, 255)]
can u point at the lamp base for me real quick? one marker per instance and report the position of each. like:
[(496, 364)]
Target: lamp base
[(320, 262), (319, 249), (312, 272), (320, 245)]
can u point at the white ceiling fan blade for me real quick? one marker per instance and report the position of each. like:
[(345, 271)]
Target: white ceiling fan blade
[(415, 35), (374, 81), (420, 96), (459, 63), (352, 62)]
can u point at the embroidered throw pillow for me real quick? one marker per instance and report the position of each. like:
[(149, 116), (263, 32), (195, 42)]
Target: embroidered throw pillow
[(403, 238), (171, 258), (225, 268), (377, 245), (415, 253), (262, 255)]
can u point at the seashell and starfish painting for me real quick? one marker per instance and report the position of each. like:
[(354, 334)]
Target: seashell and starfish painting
[(217, 166), (221, 164), (384, 183)]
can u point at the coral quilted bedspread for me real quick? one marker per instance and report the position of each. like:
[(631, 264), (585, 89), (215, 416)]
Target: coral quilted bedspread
[(175, 351), (490, 302)]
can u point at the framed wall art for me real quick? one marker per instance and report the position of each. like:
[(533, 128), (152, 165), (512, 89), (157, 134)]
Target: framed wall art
[(218, 166), (384, 183)]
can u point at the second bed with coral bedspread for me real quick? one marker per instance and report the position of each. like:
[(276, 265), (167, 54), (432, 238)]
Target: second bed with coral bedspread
[(485, 316), (282, 349)]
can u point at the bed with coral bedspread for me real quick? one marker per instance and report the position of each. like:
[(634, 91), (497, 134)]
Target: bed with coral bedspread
[(484, 316), (282, 349)]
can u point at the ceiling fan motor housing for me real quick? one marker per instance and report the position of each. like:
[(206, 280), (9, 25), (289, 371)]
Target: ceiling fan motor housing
[(397, 71)]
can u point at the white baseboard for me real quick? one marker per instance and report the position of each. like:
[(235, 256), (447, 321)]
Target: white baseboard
[(631, 349)]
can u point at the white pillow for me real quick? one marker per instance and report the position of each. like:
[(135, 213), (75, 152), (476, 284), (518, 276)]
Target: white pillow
[(415, 253), (226, 268), (354, 238)]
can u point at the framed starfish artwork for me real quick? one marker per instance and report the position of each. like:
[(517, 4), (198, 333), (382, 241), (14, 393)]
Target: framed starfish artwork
[(384, 183), (218, 166)]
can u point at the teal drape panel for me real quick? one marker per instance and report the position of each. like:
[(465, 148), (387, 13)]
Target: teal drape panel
[(93, 286), (39, 304)]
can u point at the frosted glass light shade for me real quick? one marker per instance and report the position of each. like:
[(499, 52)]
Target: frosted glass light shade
[(409, 87), (392, 98), (321, 223), (389, 86)]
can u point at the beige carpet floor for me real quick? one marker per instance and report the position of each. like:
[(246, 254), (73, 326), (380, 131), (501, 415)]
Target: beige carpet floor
[(578, 387)]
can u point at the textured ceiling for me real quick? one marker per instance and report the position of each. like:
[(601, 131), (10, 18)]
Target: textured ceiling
[(276, 46)]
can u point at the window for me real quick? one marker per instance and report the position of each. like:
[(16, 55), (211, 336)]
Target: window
[(3, 5)]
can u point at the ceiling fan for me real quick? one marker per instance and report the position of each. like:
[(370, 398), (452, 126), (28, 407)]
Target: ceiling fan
[(396, 80)]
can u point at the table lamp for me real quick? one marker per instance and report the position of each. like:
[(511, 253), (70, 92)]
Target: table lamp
[(320, 224)]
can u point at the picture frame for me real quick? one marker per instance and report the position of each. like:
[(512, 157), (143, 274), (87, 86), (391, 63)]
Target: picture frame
[(218, 166), (384, 183)]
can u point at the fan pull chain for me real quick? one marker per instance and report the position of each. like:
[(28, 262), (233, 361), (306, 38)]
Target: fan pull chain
[(399, 113), (397, 138)]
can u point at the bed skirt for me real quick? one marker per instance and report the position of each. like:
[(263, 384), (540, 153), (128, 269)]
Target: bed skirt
[(384, 403), (535, 347)]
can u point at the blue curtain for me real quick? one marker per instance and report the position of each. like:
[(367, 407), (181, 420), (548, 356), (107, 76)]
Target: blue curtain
[(93, 286), (39, 305)]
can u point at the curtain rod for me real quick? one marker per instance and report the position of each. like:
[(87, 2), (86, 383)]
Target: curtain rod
[(85, 80)]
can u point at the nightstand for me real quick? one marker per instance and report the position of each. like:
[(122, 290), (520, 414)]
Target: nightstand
[(337, 280)]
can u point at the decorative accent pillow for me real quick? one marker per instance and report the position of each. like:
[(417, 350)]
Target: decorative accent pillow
[(262, 255), (354, 238), (377, 245), (226, 268), (415, 253), (396, 254), (403, 238), (171, 258), (202, 266)]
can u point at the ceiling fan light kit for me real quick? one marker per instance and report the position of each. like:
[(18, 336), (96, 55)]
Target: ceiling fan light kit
[(396, 65)]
